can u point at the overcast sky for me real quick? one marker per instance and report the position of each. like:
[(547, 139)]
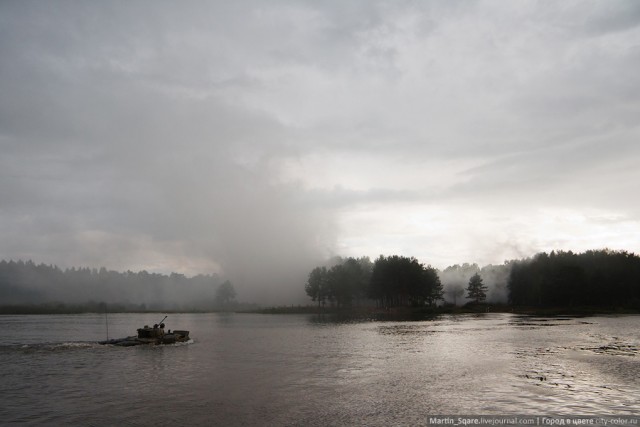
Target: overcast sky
[(256, 139)]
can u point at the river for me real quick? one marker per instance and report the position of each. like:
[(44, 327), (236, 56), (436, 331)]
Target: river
[(252, 369)]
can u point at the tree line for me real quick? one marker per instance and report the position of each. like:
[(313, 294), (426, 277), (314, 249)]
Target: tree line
[(26, 283), (389, 281), (602, 278), (597, 278)]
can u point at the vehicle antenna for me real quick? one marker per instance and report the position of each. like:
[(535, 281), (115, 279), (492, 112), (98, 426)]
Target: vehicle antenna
[(106, 320)]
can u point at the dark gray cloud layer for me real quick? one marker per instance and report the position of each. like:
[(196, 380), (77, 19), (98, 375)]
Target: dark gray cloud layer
[(256, 140)]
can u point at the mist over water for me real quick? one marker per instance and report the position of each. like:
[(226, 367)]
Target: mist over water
[(316, 370)]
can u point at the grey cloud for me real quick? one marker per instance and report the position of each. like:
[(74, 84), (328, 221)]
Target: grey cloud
[(129, 131), (572, 174), (614, 16), (90, 147)]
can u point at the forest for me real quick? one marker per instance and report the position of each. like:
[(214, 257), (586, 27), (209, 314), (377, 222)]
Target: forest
[(390, 281), (603, 279), (25, 285), (597, 278)]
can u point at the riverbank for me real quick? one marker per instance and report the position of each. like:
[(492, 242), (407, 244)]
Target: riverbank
[(358, 311), (62, 308), (449, 309)]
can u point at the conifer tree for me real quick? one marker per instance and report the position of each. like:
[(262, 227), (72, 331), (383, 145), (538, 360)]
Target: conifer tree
[(476, 290)]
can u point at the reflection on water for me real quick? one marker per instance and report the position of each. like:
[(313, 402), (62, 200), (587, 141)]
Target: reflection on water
[(316, 370)]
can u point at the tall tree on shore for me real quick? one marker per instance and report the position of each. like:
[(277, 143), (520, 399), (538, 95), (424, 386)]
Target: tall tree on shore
[(225, 294), (316, 286), (476, 290), (345, 282), (430, 288)]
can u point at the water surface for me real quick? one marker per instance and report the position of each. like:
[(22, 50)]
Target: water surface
[(251, 369)]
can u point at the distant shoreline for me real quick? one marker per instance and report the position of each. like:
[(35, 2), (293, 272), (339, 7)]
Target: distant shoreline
[(473, 309), (49, 309)]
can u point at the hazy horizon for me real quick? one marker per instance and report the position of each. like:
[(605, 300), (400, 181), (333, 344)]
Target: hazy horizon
[(258, 141)]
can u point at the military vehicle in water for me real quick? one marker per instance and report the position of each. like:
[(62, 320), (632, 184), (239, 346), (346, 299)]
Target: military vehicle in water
[(151, 336)]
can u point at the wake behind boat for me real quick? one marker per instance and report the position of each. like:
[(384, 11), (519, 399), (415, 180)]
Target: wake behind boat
[(151, 336)]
